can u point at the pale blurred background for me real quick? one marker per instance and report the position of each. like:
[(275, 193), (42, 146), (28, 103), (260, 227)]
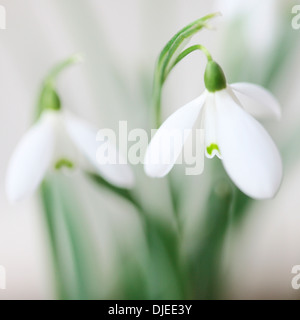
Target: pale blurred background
[(120, 41)]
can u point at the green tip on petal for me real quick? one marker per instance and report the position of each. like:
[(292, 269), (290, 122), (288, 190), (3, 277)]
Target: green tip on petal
[(64, 163), (214, 77), (211, 148)]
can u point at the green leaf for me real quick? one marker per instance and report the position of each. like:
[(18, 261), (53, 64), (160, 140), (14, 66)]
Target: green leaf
[(164, 271), (76, 270), (206, 261), (48, 202), (123, 193)]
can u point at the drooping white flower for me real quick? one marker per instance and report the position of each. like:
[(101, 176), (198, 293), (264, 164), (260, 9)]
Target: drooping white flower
[(59, 140), (248, 153)]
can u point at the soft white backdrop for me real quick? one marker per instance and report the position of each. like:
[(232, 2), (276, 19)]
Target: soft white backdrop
[(126, 36)]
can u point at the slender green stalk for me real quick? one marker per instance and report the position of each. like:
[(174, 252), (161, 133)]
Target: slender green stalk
[(168, 55), (74, 59), (163, 243), (77, 250), (175, 203), (48, 206), (207, 258), (48, 98), (75, 267), (123, 193), (189, 50)]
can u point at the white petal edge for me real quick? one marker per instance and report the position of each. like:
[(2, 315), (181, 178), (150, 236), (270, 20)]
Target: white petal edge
[(84, 135), (250, 156), (256, 100), (162, 154), (31, 159)]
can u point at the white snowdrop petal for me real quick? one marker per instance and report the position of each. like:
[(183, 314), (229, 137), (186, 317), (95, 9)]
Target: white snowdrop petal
[(250, 156), (64, 147), (256, 100), (111, 168), (31, 159), (209, 117), (167, 144)]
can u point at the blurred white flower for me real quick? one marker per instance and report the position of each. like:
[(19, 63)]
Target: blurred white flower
[(57, 140), (248, 153), (259, 21)]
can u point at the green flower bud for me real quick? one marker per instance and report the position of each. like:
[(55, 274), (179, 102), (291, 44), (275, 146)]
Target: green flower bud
[(214, 77)]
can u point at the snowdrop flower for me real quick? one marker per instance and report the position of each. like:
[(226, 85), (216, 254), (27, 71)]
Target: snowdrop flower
[(59, 140), (248, 153)]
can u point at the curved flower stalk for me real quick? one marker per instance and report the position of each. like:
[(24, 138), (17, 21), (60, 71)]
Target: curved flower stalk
[(170, 54), (59, 140), (248, 153)]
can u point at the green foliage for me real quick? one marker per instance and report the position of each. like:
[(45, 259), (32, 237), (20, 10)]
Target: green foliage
[(168, 58)]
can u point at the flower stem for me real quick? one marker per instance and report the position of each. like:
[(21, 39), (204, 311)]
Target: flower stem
[(74, 59), (175, 203), (168, 55), (186, 52), (191, 49), (48, 97), (75, 268), (48, 203), (206, 261), (169, 239)]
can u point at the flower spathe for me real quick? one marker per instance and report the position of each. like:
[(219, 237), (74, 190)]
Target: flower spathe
[(249, 155), (59, 139)]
